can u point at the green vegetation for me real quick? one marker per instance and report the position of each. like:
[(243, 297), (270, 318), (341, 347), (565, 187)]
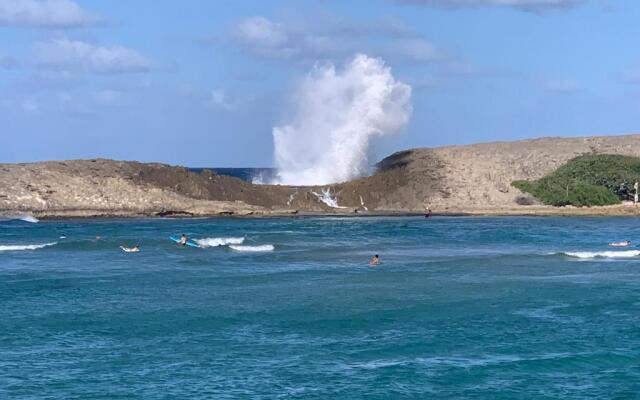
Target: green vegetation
[(588, 180)]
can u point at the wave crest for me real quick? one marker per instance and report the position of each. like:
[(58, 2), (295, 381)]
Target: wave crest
[(219, 241), (20, 247), (260, 248)]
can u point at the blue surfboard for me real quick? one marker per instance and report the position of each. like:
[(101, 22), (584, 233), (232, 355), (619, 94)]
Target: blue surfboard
[(190, 242)]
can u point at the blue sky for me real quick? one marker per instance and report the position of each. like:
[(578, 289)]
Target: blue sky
[(203, 83)]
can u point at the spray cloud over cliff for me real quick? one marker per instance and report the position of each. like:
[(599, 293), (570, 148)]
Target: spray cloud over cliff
[(338, 112)]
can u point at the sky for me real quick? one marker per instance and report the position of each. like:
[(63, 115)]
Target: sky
[(203, 83)]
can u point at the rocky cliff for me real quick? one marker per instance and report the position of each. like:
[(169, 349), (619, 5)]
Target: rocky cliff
[(468, 179)]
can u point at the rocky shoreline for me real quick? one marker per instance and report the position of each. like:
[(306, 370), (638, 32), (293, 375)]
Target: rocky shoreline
[(455, 180)]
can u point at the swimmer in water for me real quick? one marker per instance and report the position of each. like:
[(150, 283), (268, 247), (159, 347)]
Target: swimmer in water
[(375, 260)]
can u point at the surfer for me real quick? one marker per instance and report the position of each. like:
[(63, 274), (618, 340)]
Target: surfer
[(133, 249), (183, 240), (375, 260), (624, 243)]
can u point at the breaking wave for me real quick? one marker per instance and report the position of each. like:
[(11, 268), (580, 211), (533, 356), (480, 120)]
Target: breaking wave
[(260, 248), (20, 247), (338, 112), (602, 254), (219, 241)]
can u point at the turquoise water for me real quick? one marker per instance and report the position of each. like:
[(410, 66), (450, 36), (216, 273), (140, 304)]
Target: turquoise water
[(459, 308)]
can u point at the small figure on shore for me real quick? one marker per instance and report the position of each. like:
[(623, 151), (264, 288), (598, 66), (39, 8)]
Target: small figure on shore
[(624, 243), (133, 249), (375, 260), (183, 240)]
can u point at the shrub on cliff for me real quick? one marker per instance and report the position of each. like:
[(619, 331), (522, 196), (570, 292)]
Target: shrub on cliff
[(588, 180)]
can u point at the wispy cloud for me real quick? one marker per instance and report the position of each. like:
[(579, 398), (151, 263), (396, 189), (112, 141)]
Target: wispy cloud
[(219, 100), (330, 38), (45, 13), (534, 6), (75, 55)]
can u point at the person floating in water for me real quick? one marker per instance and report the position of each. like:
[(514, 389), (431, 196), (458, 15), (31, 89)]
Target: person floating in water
[(624, 243), (183, 240), (133, 249), (375, 260)]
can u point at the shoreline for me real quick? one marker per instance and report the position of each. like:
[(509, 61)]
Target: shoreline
[(622, 210)]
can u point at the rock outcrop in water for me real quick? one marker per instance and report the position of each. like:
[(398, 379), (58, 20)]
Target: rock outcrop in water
[(456, 179)]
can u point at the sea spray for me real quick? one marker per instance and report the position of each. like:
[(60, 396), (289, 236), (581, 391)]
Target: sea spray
[(26, 217), (327, 199), (337, 114)]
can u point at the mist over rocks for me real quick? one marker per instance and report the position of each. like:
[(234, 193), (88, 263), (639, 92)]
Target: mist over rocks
[(474, 179)]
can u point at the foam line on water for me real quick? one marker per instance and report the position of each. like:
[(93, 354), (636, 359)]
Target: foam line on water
[(602, 254), (260, 248), (20, 247), (219, 241)]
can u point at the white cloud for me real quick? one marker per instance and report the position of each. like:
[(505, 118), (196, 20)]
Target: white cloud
[(219, 100), (44, 13), (535, 6), (328, 38), (263, 37), (414, 49), (74, 55)]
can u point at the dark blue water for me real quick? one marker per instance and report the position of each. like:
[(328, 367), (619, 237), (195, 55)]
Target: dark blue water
[(458, 308), (257, 175)]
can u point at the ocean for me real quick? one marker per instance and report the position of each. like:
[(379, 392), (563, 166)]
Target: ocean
[(460, 307)]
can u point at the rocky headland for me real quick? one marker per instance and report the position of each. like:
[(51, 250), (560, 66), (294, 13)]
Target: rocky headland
[(473, 179)]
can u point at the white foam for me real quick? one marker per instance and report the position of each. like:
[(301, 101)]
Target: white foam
[(260, 248), (603, 254), (19, 247), (219, 241), (337, 114)]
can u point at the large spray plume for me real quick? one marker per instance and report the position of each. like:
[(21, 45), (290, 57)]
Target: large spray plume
[(337, 114)]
